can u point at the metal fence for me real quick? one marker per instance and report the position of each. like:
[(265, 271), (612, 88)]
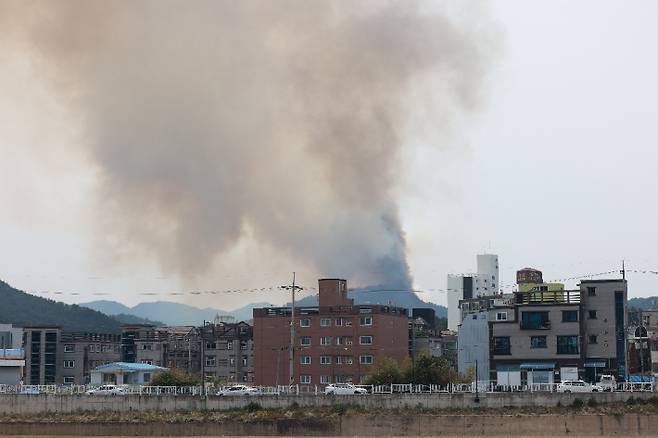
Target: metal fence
[(295, 390)]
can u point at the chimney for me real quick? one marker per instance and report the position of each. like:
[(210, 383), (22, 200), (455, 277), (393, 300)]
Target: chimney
[(333, 292)]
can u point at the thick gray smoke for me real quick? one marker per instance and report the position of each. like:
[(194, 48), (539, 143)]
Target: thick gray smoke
[(281, 119)]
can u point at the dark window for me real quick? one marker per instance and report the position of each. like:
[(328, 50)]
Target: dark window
[(537, 341), (501, 345), (535, 321), (591, 291), (592, 339), (567, 345), (591, 314), (467, 285), (569, 316)]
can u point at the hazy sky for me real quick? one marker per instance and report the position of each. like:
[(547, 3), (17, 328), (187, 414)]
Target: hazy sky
[(555, 171)]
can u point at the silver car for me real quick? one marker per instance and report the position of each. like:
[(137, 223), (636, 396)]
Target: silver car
[(106, 390), (578, 386), (343, 389)]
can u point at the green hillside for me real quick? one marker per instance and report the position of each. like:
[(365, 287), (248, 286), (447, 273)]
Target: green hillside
[(22, 309)]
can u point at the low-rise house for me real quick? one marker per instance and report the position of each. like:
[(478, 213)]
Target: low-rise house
[(124, 373), (12, 355)]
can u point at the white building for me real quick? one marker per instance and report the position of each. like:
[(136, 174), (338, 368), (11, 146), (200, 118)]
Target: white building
[(473, 345), (124, 373), (466, 286)]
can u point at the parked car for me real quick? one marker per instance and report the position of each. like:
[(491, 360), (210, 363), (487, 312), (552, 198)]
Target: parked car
[(343, 389), (608, 383), (106, 390), (237, 390), (578, 386)]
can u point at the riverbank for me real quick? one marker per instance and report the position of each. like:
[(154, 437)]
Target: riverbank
[(636, 419)]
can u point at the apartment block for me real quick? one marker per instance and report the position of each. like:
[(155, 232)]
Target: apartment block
[(334, 342), (81, 353), (228, 352), (561, 335), (43, 355)]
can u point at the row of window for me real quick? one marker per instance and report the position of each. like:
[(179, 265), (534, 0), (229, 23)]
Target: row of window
[(338, 340), (339, 360), (339, 322), (244, 345), (212, 361), (94, 348), (306, 379), (565, 344)]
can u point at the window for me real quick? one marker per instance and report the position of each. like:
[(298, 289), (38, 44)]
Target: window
[(339, 322), (231, 362), (591, 291), (305, 340), (325, 360), (305, 360), (338, 340), (244, 345), (591, 314), (339, 360), (348, 323), (229, 345), (325, 322), (68, 380), (211, 345), (325, 379), (537, 341), (148, 362), (592, 339), (69, 364), (365, 359), (305, 379), (245, 361), (69, 348), (365, 340), (348, 340), (325, 340), (348, 360), (501, 345), (147, 377), (144, 347), (567, 345), (366, 320), (501, 316), (304, 322), (535, 321), (210, 361), (569, 316)]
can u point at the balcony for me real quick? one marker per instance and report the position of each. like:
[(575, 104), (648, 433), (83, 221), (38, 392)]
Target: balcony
[(547, 297), (535, 325)]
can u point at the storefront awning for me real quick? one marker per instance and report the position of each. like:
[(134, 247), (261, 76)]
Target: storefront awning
[(595, 364), (537, 366)]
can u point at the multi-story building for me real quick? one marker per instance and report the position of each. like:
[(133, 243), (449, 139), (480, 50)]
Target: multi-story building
[(334, 342), (560, 335), (81, 353), (466, 286), (12, 355), (228, 351), (425, 339), (43, 355)]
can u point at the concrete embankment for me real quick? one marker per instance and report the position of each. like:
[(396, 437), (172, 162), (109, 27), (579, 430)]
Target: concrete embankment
[(34, 404), (366, 425)]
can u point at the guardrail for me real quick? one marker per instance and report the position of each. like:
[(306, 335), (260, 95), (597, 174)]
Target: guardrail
[(295, 390)]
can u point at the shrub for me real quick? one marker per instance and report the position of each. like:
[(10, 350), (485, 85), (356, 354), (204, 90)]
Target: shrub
[(252, 407), (174, 378), (577, 403), (592, 402)]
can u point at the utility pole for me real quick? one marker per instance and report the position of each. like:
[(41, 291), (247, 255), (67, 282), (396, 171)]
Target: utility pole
[(293, 289)]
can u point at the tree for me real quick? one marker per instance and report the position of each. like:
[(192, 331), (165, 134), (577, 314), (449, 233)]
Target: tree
[(385, 371), (174, 378)]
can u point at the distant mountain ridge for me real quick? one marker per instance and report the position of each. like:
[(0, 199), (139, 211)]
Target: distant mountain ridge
[(171, 313), (647, 303), (23, 309)]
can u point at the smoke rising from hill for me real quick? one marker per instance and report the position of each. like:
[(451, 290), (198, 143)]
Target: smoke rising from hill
[(284, 120)]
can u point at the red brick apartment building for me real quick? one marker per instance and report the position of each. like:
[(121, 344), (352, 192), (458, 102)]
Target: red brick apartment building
[(334, 342)]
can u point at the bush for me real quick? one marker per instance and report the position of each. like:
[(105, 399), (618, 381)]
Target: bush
[(385, 372), (577, 403), (630, 401), (252, 407), (592, 402)]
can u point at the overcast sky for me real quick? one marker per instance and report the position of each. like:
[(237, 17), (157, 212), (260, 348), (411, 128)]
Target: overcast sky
[(555, 171)]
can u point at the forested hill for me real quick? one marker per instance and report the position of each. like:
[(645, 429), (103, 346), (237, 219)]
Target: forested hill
[(22, 309)]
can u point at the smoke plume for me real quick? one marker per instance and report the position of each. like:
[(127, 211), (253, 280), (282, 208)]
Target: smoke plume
[(282, 119)]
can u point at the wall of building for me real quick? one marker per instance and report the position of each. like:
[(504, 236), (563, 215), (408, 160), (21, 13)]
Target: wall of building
[(473, 345)]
